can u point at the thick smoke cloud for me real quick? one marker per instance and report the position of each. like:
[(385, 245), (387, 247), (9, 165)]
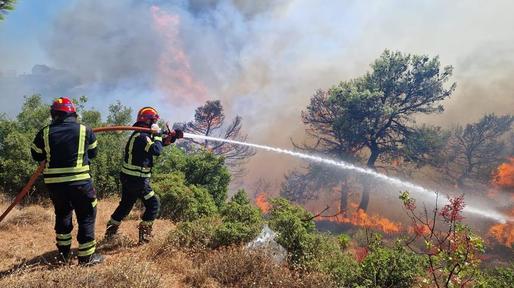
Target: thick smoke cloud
[(264, 59)]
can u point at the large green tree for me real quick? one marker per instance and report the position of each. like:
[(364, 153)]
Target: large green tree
[(372, 116)]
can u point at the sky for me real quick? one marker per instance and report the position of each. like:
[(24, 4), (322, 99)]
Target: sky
[(262, 59)]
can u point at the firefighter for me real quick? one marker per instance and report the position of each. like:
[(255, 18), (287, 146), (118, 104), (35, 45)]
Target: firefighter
[(67, 148), (136, 171)]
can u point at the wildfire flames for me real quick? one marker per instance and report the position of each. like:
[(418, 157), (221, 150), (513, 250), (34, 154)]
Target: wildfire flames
[(175, 75), (504, 233), (361, 218), (505, 175), (262, 202)]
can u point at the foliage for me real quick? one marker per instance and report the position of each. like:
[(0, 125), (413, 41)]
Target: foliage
[(16, 164), (196, 234), (6, 5), (374, 114), (499, 277), (390, 267), (452, 252), (242, 222), (476, 150), (181, 202), (210, 121), (201, 168), (344, 240)]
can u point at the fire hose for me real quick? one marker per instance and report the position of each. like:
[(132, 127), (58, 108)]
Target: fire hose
[(41, 166)]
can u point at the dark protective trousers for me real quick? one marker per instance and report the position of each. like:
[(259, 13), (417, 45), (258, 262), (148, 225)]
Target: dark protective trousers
[(80, 197), (133, 188)]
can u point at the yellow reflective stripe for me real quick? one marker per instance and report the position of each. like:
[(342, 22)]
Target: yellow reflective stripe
[(46, 139), (92, 145), (64, 243), (148, 145), (87, 244), (82, 143), (131, 146), (157, 138), (66, 170), (84, 176), (35, 148), (64, 236), (135, 173), (87, 249), (94, 203), (146, 223), (149, 195), (134, 167)]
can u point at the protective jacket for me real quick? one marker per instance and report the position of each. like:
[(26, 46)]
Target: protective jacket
[(139, 152), (67, 147)]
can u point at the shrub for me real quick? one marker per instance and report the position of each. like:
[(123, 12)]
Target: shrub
[(201, 168), (196, 234), (241, 221), (294, 226), (390, 267), (344, 240), (181, 202), (500, 277)]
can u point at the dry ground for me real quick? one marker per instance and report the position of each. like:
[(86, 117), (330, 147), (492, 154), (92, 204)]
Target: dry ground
[(29, 258), (28, 253)]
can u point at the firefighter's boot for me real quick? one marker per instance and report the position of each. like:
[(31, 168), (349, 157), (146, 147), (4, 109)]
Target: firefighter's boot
[(91, 260), (111, 230), (64, 254), (145, 232)]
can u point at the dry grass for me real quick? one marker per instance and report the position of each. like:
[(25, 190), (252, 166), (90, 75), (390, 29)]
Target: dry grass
[(121, 273), (30, 260)]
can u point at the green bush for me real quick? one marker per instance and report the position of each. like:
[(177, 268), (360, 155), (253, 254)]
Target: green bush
[(344, 240), (201, 168), (500, 277), (181, 202), (390, 267), (295, 229), (196, 234), (241, 221)]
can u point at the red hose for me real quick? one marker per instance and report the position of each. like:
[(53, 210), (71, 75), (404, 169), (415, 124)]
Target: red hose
[(41, 166)]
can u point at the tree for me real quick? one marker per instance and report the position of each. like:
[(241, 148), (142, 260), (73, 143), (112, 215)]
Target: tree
[(476, 150), (5, 6), (210, 121), (373, 115)]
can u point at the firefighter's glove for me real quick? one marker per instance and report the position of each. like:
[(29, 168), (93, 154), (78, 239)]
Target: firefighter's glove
[(179, 134), (156, 130)]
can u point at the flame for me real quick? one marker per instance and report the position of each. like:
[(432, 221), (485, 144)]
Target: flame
[(504, 233), (262, 202), (504, 176), (174, 75), (361, 218)]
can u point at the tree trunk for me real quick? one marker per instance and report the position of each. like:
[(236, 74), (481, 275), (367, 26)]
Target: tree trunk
[(366, 187), (343, 202)]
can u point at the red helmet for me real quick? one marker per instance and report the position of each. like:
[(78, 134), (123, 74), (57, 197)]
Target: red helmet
[(147, 113), (63, 104)]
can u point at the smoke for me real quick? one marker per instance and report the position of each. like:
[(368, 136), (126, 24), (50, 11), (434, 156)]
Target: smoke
[(264, 59)]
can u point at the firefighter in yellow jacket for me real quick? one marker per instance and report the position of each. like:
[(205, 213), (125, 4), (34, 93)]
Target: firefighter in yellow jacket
[(67, 147)]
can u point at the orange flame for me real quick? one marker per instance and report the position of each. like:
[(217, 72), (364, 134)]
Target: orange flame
[(361, 218), (175, 76), (504, 176), (504, 233), (262, 202)]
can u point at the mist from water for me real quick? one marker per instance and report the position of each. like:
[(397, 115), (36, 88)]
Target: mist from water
[(414, 188)]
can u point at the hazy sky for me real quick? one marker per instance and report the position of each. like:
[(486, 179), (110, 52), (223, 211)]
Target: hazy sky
[(263, 59)]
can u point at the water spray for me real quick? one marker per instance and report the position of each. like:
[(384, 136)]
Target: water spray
[(348, 166)]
